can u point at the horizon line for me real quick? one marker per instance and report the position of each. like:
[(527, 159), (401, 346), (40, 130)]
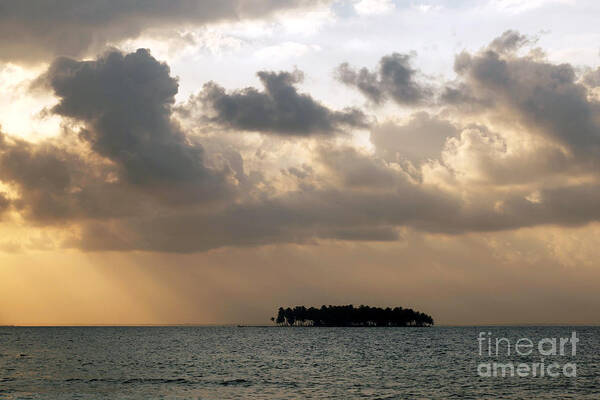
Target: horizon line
[(245, 325)]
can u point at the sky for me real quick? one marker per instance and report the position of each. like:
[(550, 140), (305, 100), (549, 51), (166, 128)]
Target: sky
[(208, 161)]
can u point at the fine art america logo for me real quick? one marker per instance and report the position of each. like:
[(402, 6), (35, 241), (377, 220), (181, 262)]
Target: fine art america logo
[(546, 352)]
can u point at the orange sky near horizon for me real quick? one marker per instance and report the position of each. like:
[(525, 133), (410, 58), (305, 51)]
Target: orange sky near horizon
[(472, 279)]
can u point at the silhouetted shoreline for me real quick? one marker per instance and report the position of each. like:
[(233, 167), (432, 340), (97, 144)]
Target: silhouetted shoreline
[(350, 316), (329, 326)]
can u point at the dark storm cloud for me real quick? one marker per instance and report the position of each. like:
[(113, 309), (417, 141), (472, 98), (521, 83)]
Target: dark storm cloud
[(462, 97), (279, 109), (295, 217), (395, 79), (134, 180), (342, 215), (37, 30), (364, 80), (129, 159), (125, 102), (55, 184), (509, 42), (40, 172), (545, 97), (358, 212)]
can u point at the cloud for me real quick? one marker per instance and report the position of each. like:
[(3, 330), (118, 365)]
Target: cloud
[(125, 102), (129, 157), (55, 183), (479, 156), (4, 202), (37, 31), (395, 79), (544, 97), (279, 109), (133, 178), (293, 217), (356, 170), (592, 78), (41, 174), (421, 138), (508, 42)]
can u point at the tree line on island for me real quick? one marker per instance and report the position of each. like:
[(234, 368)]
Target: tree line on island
[(350, 316)]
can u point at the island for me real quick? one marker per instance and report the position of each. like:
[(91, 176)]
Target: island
[(349, 316)]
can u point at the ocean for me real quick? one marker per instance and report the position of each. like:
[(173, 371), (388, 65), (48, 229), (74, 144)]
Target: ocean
[(292, 363)]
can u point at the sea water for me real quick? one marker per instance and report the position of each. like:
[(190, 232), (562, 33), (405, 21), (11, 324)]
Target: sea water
[(284, 363)]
